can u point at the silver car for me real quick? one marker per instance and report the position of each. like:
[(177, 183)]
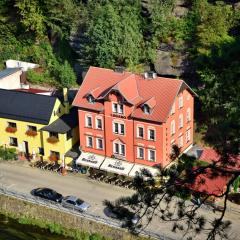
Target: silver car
[(75, 203)]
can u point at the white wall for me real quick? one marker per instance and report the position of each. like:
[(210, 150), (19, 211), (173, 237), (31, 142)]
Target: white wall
[(11, 81)]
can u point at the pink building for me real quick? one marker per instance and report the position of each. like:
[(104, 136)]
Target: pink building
[(133, 118)]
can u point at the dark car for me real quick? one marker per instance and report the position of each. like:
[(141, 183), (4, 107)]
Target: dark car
[(48, 194)]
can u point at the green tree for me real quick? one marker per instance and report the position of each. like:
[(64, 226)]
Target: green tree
[(65, 75), (114, 34)]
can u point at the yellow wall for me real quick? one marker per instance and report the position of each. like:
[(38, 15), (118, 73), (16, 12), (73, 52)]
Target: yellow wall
[(33, 142), (62, 146), (39, 141)]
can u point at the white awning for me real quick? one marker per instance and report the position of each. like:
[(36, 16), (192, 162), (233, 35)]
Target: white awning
[(90, 159), (138, 167), (116, 166)]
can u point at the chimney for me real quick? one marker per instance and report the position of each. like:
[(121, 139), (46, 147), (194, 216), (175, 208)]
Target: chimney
[(150, 75), (66, 102)]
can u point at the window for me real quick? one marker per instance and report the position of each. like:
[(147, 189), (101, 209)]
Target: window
[(180, 121), (56, 154), (12, 125), (59, 110), (88, 122), (146, 109), (120, 108), (188, 135), (119, 128), (90, 99), (151, 134), (117, 108), (99, 123), (180, 101), (99, 142), (140, 153), (53, 134), (89, 141), (180, 141), (32, 128), (13, 142), (188, 114), (151, 155), (140, 132), (69, 134), (119, 149), (41, 151), (173, 109), (172, 127)]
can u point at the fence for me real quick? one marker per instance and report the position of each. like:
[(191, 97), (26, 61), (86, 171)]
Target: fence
[(86, 215)]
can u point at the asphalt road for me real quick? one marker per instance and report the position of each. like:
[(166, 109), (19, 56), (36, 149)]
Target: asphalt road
[(18, 177)]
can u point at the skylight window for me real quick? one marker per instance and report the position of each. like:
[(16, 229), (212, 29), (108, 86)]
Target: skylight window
[(90, 99), (146, 109)]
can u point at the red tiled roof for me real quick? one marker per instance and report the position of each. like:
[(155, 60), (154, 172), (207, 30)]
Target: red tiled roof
[(32, 90), (210, 184), (210, 155), (134, 88)]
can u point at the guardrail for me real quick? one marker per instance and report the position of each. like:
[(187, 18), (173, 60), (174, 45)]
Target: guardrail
[(86, 215)]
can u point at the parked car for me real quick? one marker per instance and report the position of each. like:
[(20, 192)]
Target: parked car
[(75, 203), (113, 214), (47, 193)]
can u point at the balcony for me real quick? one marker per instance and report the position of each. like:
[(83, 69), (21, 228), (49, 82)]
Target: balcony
[(31, 133), (10, 129), (52, 140)]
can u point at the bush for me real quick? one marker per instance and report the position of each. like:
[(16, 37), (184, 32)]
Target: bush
[(8, 153)]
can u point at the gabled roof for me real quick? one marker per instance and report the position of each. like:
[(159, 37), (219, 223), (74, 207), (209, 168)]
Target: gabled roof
[(158, 93), (26, 107), (64, 123), (8, 71)]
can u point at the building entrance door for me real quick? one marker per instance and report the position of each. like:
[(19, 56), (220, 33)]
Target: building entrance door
[(26, 148)]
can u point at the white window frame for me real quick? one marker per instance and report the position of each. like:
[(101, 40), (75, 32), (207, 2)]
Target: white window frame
[(138, 153), (180, 141), (86, 121), (149, 155), (151, 129), (119, 128), (119, 110), (172, 129), (188, 115), (138, 136), (120, 152), (97, 143), (180, 101), (172, 109), (146, 109), (188, 135), (87, 141), (180, 121), (96, 123)]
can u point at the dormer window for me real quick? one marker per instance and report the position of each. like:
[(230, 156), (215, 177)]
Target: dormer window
[(146, 109), (90, 99)]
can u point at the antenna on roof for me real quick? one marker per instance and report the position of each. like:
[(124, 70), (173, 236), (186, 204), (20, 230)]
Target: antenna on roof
[(119, 69)]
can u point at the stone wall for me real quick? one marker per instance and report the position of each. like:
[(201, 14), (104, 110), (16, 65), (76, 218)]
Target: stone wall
[(18, 208)]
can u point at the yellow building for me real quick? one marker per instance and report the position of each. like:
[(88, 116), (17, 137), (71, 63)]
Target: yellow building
[(38, 126)]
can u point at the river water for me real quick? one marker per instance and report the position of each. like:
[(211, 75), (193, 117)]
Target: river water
[(10, 229)]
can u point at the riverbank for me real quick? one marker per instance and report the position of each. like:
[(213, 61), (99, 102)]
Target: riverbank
[(60, 223)]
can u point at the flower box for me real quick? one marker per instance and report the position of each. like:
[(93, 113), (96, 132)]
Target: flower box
[(31, 133), (11, 129), (53, 158), (53, 140)]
